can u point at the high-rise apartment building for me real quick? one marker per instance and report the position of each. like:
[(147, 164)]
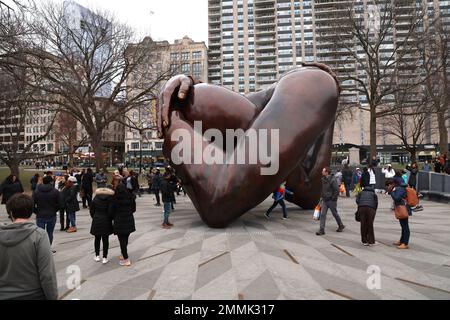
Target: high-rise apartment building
[(253, 42)]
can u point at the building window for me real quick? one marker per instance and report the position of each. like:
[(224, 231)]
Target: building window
[(158, 145), (185, 56), (174, 56), (135, 145), (185, 68), (196, 55)]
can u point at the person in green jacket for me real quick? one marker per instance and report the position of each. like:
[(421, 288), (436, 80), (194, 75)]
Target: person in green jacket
[(27, 269)]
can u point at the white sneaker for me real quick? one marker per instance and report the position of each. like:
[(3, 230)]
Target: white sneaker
[(374, 244), (105, 261), (365, 244), (285, 218), (97, 258)]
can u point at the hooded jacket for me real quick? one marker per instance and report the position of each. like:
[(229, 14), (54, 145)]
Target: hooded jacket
[(330, 188), (367, 198), (46, 201), (101, 212), (27, 270)]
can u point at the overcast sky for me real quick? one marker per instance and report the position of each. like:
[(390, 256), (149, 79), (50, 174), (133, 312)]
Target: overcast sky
[(162, 19)]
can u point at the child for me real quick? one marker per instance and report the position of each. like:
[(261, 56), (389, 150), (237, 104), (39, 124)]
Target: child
[(278, 197)]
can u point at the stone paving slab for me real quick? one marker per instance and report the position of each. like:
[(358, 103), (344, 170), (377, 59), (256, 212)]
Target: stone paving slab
[(254, 258)]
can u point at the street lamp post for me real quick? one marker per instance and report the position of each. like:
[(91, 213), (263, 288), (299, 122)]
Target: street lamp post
[(140, 152), (89, 155)]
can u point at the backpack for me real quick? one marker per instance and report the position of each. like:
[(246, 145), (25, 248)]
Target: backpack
[(411, 197)]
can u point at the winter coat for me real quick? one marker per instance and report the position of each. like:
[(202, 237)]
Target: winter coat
[(123, 208), (70, 199), (101, 180), (399, 195), (34, 182), (347, 176), (365, 179), (156, 183), (367, 198), (413, 177), (86, 182), (330, 188), (46, 201), (167, 191), (27, 270), (101, 212), (9, 189)]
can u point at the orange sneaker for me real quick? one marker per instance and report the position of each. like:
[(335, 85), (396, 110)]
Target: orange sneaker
[(403, 246)]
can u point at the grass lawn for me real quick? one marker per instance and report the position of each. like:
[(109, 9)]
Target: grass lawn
[(27, 173)]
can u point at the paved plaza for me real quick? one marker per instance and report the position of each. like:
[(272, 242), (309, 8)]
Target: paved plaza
[(258, 259)]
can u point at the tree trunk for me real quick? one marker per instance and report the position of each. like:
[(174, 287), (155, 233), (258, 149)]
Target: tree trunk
[(443, 134), (373, 133), (97, 145), (413, 153), (13, 166)]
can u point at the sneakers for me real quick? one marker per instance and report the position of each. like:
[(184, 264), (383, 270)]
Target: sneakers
[(158, 204), (365, 244), (320, 233), (403, 246), (125, 262), (97, 258), (105, 260), (285, 218), (72, 229), (53, 251), (374, 244), (417, 208), (340, 229), (267, 216)]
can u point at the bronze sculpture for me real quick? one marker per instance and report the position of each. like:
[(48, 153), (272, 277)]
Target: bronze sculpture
[(301, 105)]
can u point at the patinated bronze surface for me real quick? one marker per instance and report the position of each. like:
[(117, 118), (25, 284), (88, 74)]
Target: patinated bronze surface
[(302, 105)]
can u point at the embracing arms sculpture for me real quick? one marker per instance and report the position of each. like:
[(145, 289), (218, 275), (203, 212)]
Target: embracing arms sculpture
[(301, 107)]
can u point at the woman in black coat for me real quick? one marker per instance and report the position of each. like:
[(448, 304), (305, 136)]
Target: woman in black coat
[(124, 206), (10, 187), (102, 221)]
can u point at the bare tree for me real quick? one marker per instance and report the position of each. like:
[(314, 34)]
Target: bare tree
[(86, 60), (374, 43)]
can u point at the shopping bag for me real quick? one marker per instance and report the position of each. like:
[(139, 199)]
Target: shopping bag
[(357, 189), (316, 215), (342, 188)]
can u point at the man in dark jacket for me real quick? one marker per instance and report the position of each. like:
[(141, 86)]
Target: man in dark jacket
[(330, 194), (347, 176), (27, 270), (86, 187), (168, 196), (10, 187), (46, 204), (71, 204), (156, 186), (367, 202)]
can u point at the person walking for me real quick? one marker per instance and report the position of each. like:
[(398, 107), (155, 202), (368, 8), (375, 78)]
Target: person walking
[(413, 171), (102, 221), (278, 199), (149, 177), (86, 188), (330, 194), (168, 196), (71, 204), (27, 270), (46, 204), (61, 184), (397, 190), (34, 182), (101, 179), (156, 186), (10, 186), (124, 206), (347, 176), (367, 201)]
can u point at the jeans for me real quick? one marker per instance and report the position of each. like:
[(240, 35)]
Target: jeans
[(87, 196), (47, 224), (405, 231), (332, 205), (367, 215), (123, 240), (158, 201), (105, 240), (167, 207), (72, 219), (281, 203), (347, 190)]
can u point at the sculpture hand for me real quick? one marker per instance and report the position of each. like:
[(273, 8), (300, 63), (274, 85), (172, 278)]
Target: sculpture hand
[(181, 83)]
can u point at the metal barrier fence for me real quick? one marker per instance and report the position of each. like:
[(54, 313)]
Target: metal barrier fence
[(433, 181)]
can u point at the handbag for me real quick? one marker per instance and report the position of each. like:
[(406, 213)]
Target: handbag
[(357, 216), (401, 212)]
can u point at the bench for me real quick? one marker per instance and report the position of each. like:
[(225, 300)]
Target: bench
[(436, 195)]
